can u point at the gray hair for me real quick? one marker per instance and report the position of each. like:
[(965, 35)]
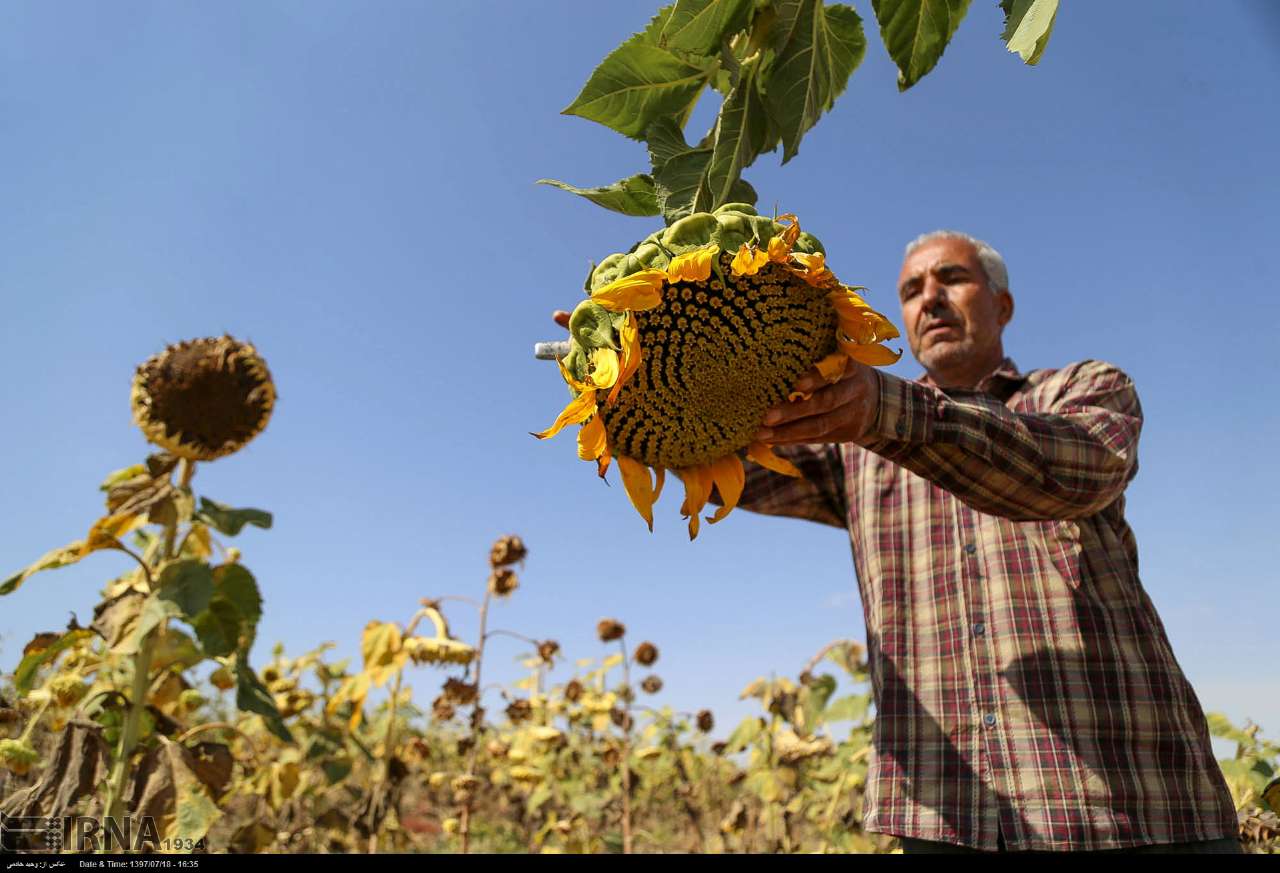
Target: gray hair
[(992, 262)]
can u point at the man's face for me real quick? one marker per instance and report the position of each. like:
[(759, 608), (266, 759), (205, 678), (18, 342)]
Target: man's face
[(953, 321)]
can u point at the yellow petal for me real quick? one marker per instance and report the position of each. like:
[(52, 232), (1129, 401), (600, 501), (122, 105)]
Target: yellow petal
[(832, 367), (568, 377), (591, 439), (630, 336), (635, 478), (639, 291), (697, 488), (659, 478), (748, 261), (792, 233), (729, 477), (579, 409), (779, 251), (692, 266), (602, 462), (763, 455), (815, 268), (858, 330), (873, 355), (604, 372)]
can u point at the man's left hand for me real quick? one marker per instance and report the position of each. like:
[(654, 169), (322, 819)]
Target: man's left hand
[(834, 413)]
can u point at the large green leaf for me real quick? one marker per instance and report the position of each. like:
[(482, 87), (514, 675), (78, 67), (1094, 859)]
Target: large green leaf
[(184, 592), (640, 81), (231, 619), (740, 135), (916, 32), (1027, 25), (700, 26), (228, 520), (633, 195), (682, 184), (253, 696), (818, 47)]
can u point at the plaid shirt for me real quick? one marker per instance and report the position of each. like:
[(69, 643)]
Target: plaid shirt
[(1024, 684)]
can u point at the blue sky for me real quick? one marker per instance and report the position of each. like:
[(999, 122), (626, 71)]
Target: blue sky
[(350, 186)]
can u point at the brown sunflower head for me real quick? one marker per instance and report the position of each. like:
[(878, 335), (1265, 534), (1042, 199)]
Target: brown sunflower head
[(503, 581), (705, 721), (459, 692), (442, 708), (651, 684), (646, 654), (609, 630), (573, 691), (547, 650), (520, 710), (203, 399), (507, 550)]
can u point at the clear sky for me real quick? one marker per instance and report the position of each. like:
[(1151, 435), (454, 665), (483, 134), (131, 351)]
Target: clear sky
[(350, 186)]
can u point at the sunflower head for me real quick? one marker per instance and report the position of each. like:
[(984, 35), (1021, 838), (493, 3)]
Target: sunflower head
[(502, 581), (685, 342), (646, 654), (573, 690), (609, 630), (652, 684), (547, 650), (203, 399), (706, 721), (507, 550)]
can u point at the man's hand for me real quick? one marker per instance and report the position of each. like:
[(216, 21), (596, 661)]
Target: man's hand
[(840, 413)]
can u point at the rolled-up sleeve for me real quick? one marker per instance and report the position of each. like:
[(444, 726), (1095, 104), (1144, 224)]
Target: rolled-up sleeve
[(1069, 461)]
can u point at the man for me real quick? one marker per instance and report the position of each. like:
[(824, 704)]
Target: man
[(1027, 696)]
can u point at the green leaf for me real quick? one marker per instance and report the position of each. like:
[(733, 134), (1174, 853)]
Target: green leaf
[(740, 135), (185, 588), (640, 82), (916, 32), (818, 47), (851, 708), (1027, 26), (253, 696), (231, 619), (218, 628), (633, 195), (1221, 726), (744, 734), (700, 26), (665, 140), (230, 521), (26, 672), (682, 185), (237, 585)]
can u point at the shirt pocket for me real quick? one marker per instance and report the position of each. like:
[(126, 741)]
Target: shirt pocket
[(1062, 546)]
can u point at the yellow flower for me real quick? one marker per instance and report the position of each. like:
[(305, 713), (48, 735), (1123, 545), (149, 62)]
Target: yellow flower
[(672, 367)]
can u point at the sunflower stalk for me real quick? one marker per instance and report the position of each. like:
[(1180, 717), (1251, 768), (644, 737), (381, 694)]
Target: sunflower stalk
[(626, 750), (464, 818)]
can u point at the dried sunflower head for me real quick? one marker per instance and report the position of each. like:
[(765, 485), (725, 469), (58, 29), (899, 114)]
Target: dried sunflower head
[(651, 684), (459, 692), (519, 710), (503, 581), (547, 650), (573, 691), (646, 654), (705, 721), (203, 399), (609, 630), (685, 342), (507, 550)]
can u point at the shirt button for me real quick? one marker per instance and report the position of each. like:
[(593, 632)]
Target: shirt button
[(970, 548), (989, 720), (979, 629)]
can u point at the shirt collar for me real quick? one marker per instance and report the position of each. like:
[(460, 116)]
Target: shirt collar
[(1001, 382)]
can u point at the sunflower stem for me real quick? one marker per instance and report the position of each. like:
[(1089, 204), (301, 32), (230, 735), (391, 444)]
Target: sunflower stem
[(384, 765), (477, 714), (626, 750)]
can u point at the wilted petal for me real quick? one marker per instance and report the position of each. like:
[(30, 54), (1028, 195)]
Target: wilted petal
[(579, 409), (729, 478), (692, 266), (639, 291), (635, 478), (748, 261), (779, 251), (602, 462), (604, 372), (659, 478), (762, 454), (591, 439), (873, 355), (697, 489), (832, 367), (792, 233), (630, 336)]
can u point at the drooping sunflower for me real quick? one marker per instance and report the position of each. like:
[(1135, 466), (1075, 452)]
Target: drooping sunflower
[(203, 399), (686, 341)]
